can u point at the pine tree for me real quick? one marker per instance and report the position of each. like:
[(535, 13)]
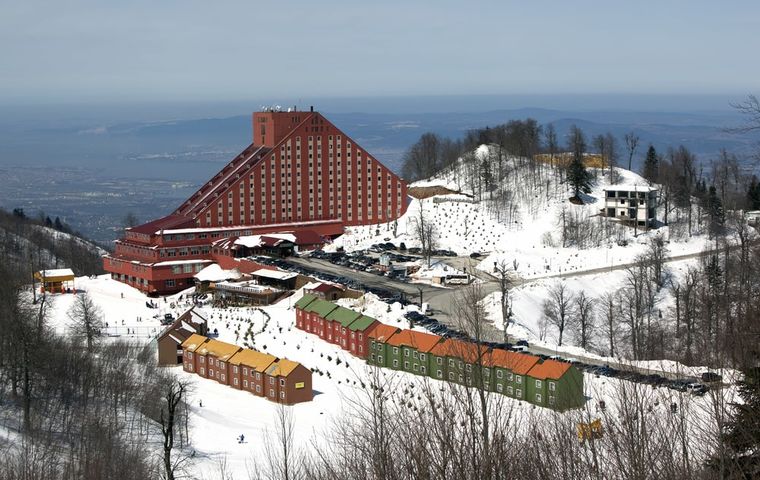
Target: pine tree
[(57, 224), (651, 166), (753, 194), (715, 211), (48, 222), (577, 175), (741, 434)]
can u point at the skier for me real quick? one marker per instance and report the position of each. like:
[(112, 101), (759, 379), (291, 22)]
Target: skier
[(241, 438)]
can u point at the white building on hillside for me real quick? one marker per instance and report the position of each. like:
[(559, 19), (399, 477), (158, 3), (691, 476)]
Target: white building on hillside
[(631, 203)]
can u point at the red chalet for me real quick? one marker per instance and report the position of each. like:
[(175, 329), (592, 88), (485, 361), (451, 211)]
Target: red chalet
[(301, 173)]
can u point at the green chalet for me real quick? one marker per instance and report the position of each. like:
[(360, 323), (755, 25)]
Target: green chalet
[(409, 351), (556, 385), (378, 348), (457, 361)]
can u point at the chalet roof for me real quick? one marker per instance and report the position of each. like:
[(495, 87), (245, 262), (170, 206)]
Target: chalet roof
[(307, 237), (550, 369), (343, 315), (274, 274), (629, 187), (215, 273), (422, 342), (221, 350), (326, 287), (450, 347), (518, 363), (382, 332), (321, 307), (305, 300), (194, 342), (192, 316), (163, 223), (56, 273), (361, 324), (258, 361), (282, 368)]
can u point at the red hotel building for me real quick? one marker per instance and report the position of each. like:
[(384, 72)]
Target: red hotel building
[(300, 173)]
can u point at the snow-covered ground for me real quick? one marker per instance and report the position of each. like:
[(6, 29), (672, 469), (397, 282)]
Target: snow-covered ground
[(529, 238)]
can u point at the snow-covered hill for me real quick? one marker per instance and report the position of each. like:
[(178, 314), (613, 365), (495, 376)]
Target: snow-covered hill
[(520, 222)]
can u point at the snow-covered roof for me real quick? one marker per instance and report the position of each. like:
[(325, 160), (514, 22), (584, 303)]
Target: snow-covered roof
[(215, 273), (275, 274), (242, 228), (253, 241), (60, 272), (630, 188)]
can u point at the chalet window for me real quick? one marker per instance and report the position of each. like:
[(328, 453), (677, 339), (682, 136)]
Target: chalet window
[(415, 354), (451, 362), (552, 386), (282, 394), (422, 357), (551, 400), (271, 380), (395, 350), (460, 378), (235, 380), (451, 376), (190, 355), (406, 365), (499, 387), (258, 376), (271, 392), (468, 368), (538, 383), (282, 382), (245, 383), (203, 359), (258, 388), (395, 363), (439, 360), (439, 374), (538, 398), (379, 359), (518, 379), (509, 376), (518, 393)]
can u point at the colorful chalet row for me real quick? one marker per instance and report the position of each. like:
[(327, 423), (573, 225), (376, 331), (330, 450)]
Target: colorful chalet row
[(334, 324), (279, 380), (545, 383)]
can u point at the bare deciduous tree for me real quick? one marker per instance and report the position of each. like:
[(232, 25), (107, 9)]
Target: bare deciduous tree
[(557, 307), (86, 319), (631, 144)]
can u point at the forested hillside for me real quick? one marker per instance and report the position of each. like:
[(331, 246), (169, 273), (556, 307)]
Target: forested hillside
[(31, 244)]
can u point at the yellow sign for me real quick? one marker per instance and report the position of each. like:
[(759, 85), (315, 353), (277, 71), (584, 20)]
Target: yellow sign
[(299, 385), (588, 431)]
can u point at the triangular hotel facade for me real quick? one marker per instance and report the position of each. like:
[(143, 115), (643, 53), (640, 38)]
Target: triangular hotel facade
[(301, 173)]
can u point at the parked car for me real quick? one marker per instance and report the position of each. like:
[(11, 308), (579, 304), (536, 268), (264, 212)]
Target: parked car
[(475, 255), (711, 377), (696, 389), (522, 343)]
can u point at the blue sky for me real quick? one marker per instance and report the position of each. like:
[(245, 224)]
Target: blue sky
[(227, 50)]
